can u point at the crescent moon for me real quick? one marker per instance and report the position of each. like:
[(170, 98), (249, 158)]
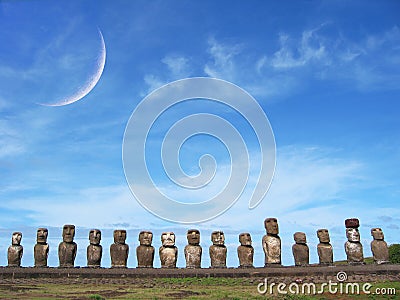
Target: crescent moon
[(90, 83)]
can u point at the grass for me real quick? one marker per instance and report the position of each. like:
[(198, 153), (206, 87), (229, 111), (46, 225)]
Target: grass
[(170, 288)]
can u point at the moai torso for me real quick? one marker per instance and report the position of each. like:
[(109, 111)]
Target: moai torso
[(324, 248), (168, 252), (94, 251), (300, 250), (67, 248), (119, 251), (15, 251), (41, 249), (272, 242), (353, 247), (379, 247), (245, 251), (193, 250), (218, 250), (145, 251)]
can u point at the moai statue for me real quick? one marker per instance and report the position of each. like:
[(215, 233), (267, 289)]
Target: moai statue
[(119, 251), (67, 248), (193, 250), (245, 251), (168, 251), (272, 243), (41, 249), (300, 250), (353, 247), (218, 250), (379, 247), (15, 251), (94, 251), (145, 251), (324, 248)]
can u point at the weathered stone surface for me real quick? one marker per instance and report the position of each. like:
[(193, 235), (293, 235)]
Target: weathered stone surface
[(119, 250), (168, 251), (324, 248), (353, 247), (218, 250), (272, 242), (379, 247), (245, 251), (41, 249), (145, 251), (67, 248), (94, 251), (193, 250), (15, 251), (300, 250), (352, 223)]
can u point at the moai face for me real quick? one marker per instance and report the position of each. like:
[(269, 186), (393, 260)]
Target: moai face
[(68, 233), (145, 238), (218, 238), (323, 235), (271, 225), (119, 236), (352, 234), (94, 236), (168, 239), (300, 238), (16, 238), (193, 237), (377, 234), (41, 235), (245, 239)]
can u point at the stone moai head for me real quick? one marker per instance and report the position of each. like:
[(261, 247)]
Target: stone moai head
[(95, 236), (16, 238), (119, 236), (145, 238), (352, 232), (218, 238), (300, 238), (68, 233), (271, 225), (168, 239), (193, 237), (377, 234), (41, 235), (245, 239), (323, 235)]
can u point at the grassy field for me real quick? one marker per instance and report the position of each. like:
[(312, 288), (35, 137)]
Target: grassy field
[(171, 288)]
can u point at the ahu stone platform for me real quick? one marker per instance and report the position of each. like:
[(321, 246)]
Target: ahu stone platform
[(316, 274)]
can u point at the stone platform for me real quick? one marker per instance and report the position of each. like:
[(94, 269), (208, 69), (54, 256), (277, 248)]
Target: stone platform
[(360, 273)]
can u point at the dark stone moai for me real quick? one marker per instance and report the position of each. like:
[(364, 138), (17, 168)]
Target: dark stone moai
[(145, 251), (300, 250), (41, 249), (168, 251), (94, 251), (15, 251), (353, 247), (245, 251), (67, 248), (119, 250), (379, 247), (218, 250), (193, 249), (324, 248), (272, 243)]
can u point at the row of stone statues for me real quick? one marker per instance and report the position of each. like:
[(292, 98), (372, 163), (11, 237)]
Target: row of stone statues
[(168, 252)]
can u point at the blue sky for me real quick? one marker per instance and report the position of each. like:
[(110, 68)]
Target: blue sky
[(326, 73)]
